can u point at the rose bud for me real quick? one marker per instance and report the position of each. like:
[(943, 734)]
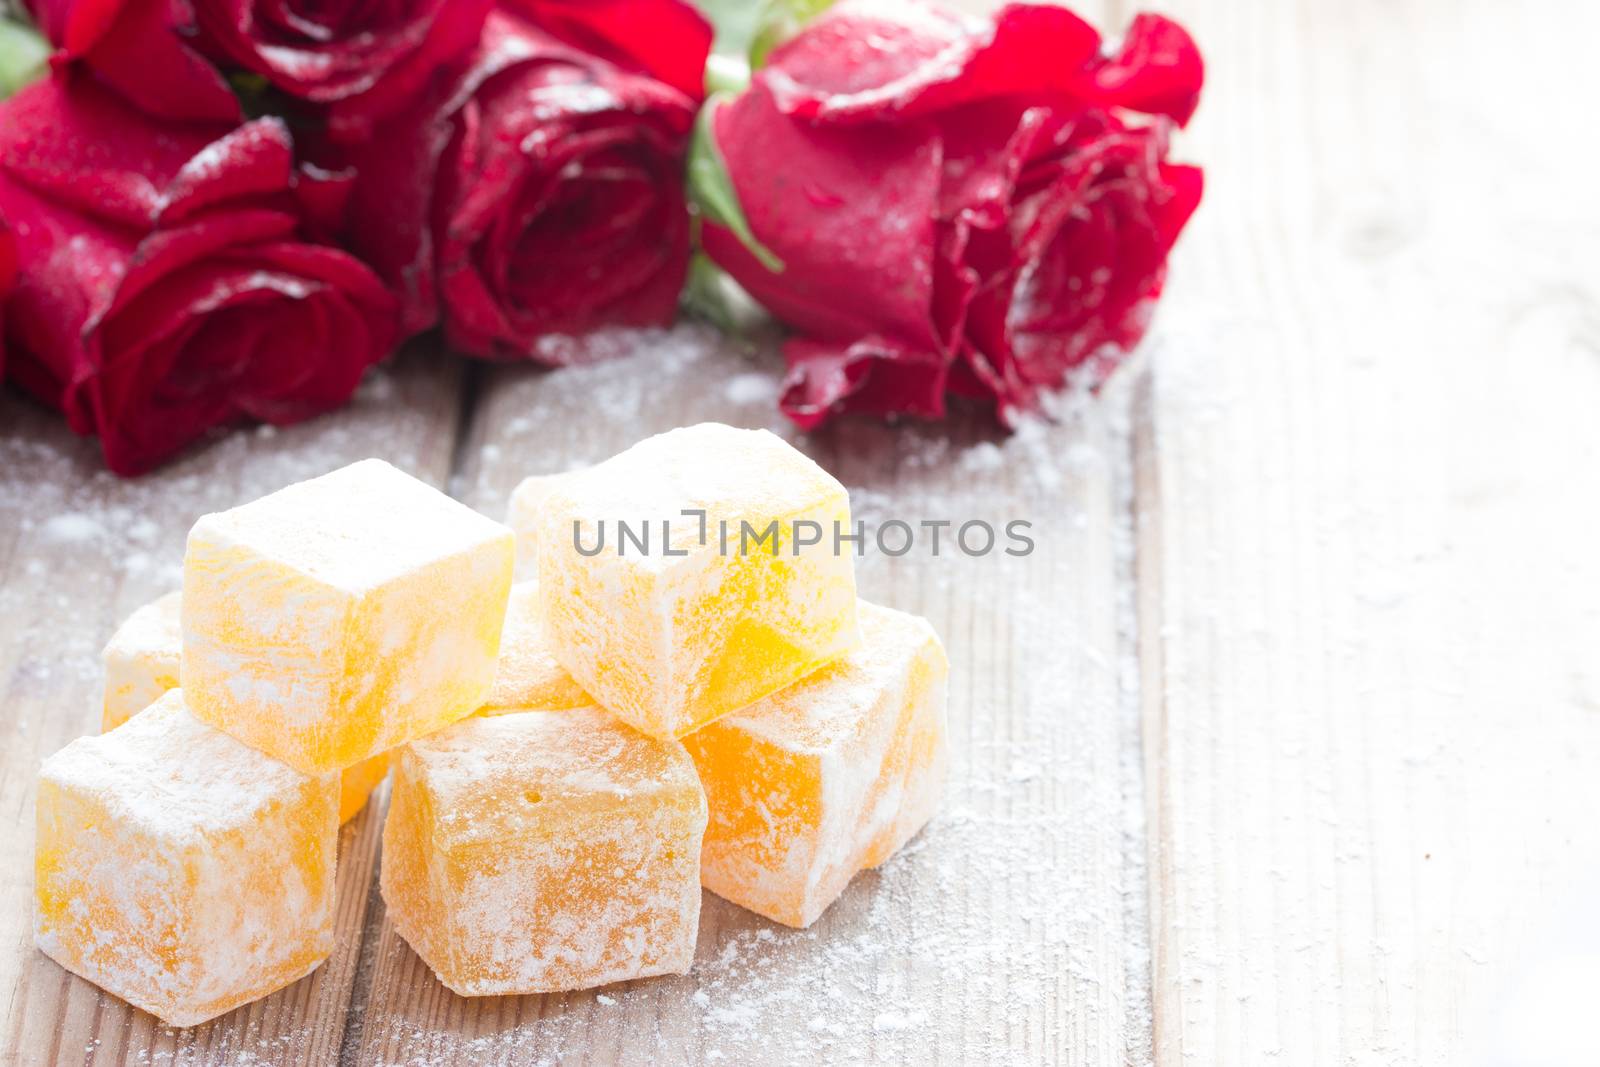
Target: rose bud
[(165, 282), (938, 204), (538, 188)]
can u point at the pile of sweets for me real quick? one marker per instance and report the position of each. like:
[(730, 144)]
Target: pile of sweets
[(574, 755)]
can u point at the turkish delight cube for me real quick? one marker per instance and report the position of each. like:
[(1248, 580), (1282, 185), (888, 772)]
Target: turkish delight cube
[(522, 515), (337, 618), (181, 869), (141, 660), (544, 851), (830, 776), (142, 664), (680, 618), (528, 678)]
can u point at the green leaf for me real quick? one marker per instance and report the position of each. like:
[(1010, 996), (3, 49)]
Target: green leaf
[(746, 30), (713, 295), (781, 20), (24, 55), (711, 190), (735, 22)]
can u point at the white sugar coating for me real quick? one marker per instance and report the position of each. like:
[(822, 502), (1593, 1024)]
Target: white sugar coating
[(156, 629), (174, 774), (582, 757), (728, 473), (333, 620), (180, 869), (819, 713), (527, 675), (544, 851), (522, 515), (142, 659), (354, 528)]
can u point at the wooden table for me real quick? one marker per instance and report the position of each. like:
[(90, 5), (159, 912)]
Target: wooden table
[(1281, 748)]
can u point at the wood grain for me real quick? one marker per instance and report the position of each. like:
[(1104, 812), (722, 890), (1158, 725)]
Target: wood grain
[(79, 550), (1364, 481), (1367, 499)]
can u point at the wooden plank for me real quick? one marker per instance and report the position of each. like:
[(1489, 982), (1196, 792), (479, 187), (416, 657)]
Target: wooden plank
[(1000, 933), (1367, 498), (79, 550)]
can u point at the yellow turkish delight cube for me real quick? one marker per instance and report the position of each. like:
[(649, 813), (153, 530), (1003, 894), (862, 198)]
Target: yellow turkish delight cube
[(141, 660), (696, 573), (522, 515), (544, 851), (830, 776), (528, 678), (181, 869), (337, 618), (142, 664)]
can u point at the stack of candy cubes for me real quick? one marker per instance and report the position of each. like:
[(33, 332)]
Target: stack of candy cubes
[(680, 690)]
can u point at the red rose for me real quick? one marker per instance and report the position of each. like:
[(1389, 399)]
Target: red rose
[(947, 205), (538, 189), (362, 59), (8, 279), (165, 284)]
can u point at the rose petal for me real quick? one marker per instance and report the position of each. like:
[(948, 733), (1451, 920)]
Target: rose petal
[(870, 60), (870, 376), (379, 53), (135, 46), (79, 144), (665, 39), (254, 160), (1157, 70), (849, 211), (8, 279), (875, 60)]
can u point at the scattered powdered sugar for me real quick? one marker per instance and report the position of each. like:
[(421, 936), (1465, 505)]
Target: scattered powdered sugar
[(70, 528), (751, 389)]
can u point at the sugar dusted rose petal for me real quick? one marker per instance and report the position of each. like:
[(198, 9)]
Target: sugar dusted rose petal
[(868, 60), (253, 160), (873, 60), (862, 58), (1157, 70), (1094, 247), (71, 145), (871, 376), (850, 212), (986, 147)]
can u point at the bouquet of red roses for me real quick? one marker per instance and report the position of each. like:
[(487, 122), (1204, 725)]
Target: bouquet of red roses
[(222, 209)]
